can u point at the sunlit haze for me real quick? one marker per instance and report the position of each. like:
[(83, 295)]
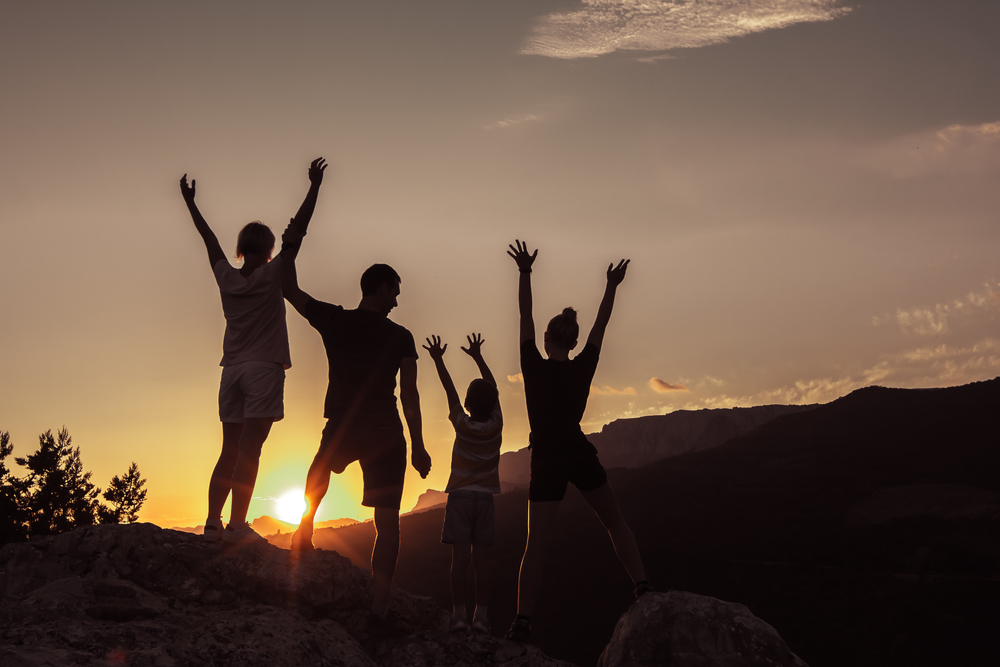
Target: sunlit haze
[(807, 190)]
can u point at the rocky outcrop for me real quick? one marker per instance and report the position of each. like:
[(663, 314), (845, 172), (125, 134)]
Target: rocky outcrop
[(141, 595), (633, 443), (687, 630)]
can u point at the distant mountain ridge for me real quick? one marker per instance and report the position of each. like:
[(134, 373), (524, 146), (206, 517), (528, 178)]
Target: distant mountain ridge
[(639, 441)]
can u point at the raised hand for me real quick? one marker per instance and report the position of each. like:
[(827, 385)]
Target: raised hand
[(316, 169), (475, 349), (521, 256), (187, 191), (434, 347), (617, 274)]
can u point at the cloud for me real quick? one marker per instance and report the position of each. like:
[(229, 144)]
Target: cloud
[(511, 122), (956, 148), (663, 387), (611, 391), (932, 320), (605, 26), (515, 378)]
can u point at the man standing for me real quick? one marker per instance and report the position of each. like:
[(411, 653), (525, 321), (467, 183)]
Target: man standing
[(365, 350)]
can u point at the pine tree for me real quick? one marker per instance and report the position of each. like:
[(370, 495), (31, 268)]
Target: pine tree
[(126, 496), (12, 528), (59, 495)]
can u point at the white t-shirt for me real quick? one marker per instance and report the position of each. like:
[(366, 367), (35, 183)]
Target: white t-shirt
[(255, 314)]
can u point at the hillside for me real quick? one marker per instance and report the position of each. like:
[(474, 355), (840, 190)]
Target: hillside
[(867, 530)]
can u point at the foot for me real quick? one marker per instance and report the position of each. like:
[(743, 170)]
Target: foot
[(390, 626), (458, 625), (642, 588), (480, 625), (213, 531), (301, 541), (520, 630), (241, 535)]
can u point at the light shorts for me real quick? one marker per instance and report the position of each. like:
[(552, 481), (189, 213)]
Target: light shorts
[(470, 518), (252, 390)]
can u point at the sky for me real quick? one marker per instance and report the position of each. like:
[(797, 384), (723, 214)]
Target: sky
[(806, 189)]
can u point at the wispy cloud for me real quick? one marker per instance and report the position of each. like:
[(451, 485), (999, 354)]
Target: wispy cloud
[(605, 26), (956, 148), (664, 387), (932, 320), (611, 391), (514, 379), (513, 121)]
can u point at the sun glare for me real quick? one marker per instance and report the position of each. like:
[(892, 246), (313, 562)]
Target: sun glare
[(291, 506)]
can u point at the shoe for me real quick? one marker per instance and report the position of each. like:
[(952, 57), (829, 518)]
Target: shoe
[(480, 626), (520, 630), (458, 625), (213, 531), (390, 626), (642, 588), (242, 535), (301, 543)]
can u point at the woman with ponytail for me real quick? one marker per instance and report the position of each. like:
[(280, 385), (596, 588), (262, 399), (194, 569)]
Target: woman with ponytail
[(556, 391)]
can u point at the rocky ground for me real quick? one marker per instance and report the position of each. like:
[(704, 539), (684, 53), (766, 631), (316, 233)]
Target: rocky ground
[(141, 595)]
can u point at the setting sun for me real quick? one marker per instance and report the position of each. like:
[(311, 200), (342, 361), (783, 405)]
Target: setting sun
[(290, 506)]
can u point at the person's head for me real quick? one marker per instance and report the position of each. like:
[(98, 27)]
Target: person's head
[(380, 287), (255, 238), (562, 332), (480, 399)]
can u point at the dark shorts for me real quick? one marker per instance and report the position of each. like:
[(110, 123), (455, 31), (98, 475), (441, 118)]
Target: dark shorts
[(470, 518), (551, 472), (381, 451)]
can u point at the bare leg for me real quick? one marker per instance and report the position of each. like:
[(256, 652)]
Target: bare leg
[(482, 559), (384, 556), (541, 526), (603, 501), (222, 477), (460, 559), (245, 473)]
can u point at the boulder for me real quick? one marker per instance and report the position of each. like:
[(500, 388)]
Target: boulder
[(686, 630)]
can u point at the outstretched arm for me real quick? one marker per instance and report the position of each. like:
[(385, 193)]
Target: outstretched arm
[(291, 239), (475, 350), (436, 350), (410, 399), (524, 262), (616, 274), (305, 212), (207, 235)]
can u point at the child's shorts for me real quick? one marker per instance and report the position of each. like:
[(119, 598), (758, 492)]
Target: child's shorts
[(470, 518), (252, 390)]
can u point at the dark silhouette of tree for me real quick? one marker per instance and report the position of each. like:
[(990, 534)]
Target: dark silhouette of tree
[(12, 528), (126, 496), (59, 494)]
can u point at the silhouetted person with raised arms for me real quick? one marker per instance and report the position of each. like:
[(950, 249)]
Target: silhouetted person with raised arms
[(470, 516), (365, 350), (556, 391), (255, 356)]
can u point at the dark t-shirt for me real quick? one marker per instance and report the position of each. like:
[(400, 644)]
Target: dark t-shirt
[(556, 393), (364, 350)]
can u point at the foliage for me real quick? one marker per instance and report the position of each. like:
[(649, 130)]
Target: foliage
[(57, 495), (126, 496)]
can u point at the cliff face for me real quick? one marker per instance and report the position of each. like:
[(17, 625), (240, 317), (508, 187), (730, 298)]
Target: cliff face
[(633, 443)]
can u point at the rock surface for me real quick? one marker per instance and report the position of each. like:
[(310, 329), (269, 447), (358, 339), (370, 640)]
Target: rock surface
[(140, 595), (687, 630)]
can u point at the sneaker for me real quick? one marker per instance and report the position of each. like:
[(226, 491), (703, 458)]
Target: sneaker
[(241, 535), (458, 625), (642, 588), (520, 630), (480, 625), (301, 542), (390, 626), (213, 531)]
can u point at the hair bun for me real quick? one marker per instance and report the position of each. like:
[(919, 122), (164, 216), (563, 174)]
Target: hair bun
[(569, 314)]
